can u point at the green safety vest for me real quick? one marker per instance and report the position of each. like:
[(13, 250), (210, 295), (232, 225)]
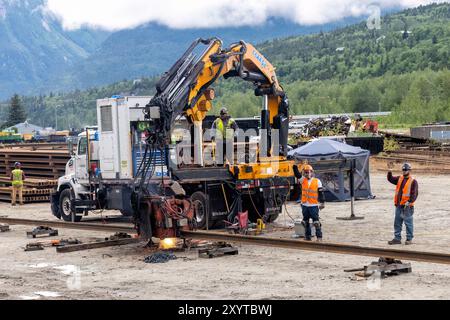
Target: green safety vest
[(17, 178), (221, 131)]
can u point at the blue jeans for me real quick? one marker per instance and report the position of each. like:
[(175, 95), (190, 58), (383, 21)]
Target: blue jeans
[(312, 213), (404, 215)]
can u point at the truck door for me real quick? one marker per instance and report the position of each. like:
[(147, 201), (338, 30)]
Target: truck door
[(81, 171)]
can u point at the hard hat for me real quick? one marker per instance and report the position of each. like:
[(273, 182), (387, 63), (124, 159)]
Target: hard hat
[(308, 168), (223, 111), (17, 164), (406, 167)]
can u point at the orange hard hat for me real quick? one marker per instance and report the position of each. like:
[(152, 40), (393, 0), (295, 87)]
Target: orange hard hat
[(308, 168)]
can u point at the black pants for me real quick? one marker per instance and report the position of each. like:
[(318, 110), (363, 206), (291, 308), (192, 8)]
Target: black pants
[(311, 213)]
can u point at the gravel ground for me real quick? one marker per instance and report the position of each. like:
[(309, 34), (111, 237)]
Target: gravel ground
[(256, 273)]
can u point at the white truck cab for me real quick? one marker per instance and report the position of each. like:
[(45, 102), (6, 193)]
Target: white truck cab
[(107, 154)]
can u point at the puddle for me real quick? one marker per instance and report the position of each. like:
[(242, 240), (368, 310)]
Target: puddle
[(67, 270), (48, 294), (29, 297), (41, 294), (41, 265)]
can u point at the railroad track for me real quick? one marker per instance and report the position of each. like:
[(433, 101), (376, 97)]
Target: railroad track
[(337, 248), (69, 225), (425, 153), (413, 159)]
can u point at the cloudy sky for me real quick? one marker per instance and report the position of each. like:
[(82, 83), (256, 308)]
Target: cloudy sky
[(122, 14)]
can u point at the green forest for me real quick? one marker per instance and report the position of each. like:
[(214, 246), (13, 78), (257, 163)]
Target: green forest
[(403, 67)]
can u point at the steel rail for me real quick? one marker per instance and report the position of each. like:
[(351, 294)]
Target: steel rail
[(69, 225), (336, 248)]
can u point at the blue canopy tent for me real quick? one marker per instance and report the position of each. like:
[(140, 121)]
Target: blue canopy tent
[(332, 161)]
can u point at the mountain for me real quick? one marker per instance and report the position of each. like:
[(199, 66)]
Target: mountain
[(38, 56), (402, 67), (414, 39), (34, 47), (152, 49)]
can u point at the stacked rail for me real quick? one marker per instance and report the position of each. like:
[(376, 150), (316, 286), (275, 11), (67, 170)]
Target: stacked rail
[(43, 164), (35, 190)]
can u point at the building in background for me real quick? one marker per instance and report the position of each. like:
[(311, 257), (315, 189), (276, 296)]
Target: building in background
[(25, 128), (438, 131)]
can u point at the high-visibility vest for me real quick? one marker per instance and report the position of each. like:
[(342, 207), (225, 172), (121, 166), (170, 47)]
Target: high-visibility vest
[(406, 192), (222, 131), (17, 177), (310, 192)]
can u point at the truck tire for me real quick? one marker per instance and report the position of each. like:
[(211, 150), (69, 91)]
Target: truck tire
[(199, 202), (65, 207), (55, 205)]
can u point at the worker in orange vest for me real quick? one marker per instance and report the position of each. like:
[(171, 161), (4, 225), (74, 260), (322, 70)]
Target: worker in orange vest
[(313, 200), (406, 195)]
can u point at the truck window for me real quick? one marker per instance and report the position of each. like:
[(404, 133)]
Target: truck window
[(82, 147), (106, 118)]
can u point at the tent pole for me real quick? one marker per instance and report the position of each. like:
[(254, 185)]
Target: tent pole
[(352, 194)]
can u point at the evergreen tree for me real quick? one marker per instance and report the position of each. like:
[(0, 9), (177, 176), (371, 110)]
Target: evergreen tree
[(16, 112), (434, 40)]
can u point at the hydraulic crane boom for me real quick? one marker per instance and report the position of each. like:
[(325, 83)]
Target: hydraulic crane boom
[(186, 89)]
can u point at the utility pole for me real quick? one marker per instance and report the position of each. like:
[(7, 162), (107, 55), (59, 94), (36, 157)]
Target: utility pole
[(56, 118)]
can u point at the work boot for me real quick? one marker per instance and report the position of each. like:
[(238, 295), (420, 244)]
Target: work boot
[(394, 242), (408, 242), (319, 240), (308, 239), (13, 204)]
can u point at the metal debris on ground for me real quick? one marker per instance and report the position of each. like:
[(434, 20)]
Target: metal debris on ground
[(218, 249), (65, 242), (34, 247), (97, 245), (322, 127), (4, 228), (160, 257), (118, 236), (385, 266), (40, 231)]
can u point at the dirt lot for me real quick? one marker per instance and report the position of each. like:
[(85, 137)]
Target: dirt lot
[(256, 273)]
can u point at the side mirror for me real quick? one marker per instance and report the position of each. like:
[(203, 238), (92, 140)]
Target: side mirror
[(70, 147)]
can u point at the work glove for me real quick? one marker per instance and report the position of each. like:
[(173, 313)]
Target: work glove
[(408, 204), (322, 206)]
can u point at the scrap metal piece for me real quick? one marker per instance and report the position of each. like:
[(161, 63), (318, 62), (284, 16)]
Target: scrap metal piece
[(39, 231), (65, 242), (96, 245), (4, 228), (118, 236), (34, 247), (386, 267), (218, 249)]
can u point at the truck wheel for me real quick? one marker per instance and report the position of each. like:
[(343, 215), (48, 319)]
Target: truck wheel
[(65, 207), (200, 210), (55, 206)]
